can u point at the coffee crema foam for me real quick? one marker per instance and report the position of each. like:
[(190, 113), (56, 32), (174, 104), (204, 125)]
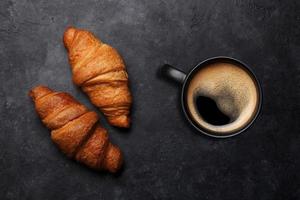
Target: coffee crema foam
[(234, 91)]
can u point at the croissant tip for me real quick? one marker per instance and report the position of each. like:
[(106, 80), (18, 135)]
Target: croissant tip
[(70, 28), (114, 159), (39, 91), (69, 35), (122, 121)]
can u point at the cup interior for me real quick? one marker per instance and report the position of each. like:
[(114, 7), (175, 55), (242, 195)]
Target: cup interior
[(190, 77)]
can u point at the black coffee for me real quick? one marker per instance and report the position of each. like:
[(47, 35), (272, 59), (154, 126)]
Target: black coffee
[(210, 112)]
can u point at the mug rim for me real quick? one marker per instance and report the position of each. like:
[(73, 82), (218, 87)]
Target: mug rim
[(184, 88)]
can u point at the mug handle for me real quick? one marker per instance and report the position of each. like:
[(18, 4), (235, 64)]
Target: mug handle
[(173, 73)]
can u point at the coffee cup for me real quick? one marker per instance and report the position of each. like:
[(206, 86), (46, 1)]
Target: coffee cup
[(220, 97)]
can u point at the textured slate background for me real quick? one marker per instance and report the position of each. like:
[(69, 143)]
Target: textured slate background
[(165, 159)]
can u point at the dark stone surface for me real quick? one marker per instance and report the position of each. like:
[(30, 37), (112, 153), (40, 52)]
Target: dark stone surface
[(165, 159)]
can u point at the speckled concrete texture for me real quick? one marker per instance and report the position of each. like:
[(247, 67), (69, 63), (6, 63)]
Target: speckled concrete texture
[(165, 157)]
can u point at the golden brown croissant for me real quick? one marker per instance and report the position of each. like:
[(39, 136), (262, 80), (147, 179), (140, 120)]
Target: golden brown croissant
[(100, 71), (75, 129)]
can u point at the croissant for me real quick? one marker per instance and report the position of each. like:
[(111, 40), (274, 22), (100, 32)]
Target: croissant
[(74, 129), (100, 71)]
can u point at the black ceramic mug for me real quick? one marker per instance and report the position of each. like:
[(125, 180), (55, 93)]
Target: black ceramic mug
[(186, 79)]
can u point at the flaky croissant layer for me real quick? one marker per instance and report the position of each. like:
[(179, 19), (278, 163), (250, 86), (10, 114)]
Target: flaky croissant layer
[(100, 71), (74, 129)]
